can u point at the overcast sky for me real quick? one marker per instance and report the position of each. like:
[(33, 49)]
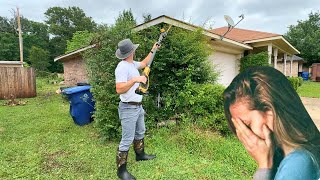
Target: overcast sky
[(261, 15)]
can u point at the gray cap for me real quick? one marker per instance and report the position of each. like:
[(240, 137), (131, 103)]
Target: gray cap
[(125, 48)]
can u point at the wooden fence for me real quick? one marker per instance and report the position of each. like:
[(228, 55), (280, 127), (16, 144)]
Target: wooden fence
[(17, 82)]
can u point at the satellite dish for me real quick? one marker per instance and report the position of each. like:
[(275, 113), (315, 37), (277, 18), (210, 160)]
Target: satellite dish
[(229, 20), (231, 24)]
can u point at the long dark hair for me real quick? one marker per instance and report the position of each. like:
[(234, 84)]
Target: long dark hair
[(267, 89)]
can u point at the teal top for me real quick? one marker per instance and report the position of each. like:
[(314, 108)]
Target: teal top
[(298, 164)]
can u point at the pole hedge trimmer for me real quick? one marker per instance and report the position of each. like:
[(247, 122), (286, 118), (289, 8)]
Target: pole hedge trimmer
[(143, 87)]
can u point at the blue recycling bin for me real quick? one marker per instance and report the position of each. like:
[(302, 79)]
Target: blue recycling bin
[(81, 104), (305, 76)]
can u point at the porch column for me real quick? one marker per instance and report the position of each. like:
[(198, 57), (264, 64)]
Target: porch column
[(291, 59), (275, 53), (285, 64), (269, 52)]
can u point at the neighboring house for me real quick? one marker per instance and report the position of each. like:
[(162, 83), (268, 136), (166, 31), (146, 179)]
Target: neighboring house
[(297, 66), (11, 64), (74, 66), (238, 43)]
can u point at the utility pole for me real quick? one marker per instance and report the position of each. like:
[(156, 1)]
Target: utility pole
[(20, 37)]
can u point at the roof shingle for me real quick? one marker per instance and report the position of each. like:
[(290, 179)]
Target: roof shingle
[(242, 35)]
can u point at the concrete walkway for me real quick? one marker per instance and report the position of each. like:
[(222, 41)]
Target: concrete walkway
[(313, 107)]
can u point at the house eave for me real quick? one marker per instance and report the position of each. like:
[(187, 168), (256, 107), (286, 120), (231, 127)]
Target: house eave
[(294, 50), (73, 53), (184, 25)]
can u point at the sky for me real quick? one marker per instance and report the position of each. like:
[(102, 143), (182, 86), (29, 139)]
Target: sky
[(260, 15)]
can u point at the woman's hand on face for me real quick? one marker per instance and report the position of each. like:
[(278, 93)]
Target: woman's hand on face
[(261, 150)]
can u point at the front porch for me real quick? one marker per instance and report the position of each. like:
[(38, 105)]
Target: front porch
[(281, 54)]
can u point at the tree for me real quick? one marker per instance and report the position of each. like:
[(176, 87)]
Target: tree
[(305, 37), (34, 34), (80, 39), (6, 25), (57, 46), (126, 19), (63, 22), (39, 58), (9, 46), (9, 42), (146, 17)]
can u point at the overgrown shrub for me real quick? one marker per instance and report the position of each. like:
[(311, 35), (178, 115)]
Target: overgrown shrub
[(79, 39), (295, 82), (260, 59), (202, 103), (180, 64)]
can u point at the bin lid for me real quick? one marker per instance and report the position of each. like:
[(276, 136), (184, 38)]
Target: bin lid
[(76, 89)]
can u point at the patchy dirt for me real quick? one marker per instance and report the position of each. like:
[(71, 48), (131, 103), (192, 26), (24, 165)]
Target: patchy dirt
[(313, 107), (50, 161), (1, 129)]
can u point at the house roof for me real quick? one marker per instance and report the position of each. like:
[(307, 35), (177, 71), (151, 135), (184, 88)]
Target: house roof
[(257, 38), (188, 26), (297, 58), (236, 39), (243, 35), (72, 53)]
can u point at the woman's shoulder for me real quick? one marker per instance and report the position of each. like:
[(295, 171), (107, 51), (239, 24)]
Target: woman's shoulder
[(299, 154), (299, 164)]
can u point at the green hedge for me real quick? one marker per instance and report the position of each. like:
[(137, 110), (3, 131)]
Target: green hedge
[(295, 82), (202, 104), (260, 59)]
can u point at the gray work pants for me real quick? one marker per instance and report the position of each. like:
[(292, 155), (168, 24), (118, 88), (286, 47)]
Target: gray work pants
[(132, 122)]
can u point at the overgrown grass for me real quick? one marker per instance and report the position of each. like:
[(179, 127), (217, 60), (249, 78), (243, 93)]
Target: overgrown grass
[(309, 89), (40, 141)]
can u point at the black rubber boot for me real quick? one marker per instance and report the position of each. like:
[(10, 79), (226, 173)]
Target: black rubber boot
[(122, 171), (139, 150)]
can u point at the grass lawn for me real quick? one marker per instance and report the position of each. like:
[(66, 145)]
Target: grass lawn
[(40, 141), (309, 89)]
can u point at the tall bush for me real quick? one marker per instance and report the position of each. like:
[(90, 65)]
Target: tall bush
[(101, 63), (296, 82), (260, 59), (39, 58), (202, 104), (180, 63)]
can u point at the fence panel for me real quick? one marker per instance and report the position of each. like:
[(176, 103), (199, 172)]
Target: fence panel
[(17, 82)]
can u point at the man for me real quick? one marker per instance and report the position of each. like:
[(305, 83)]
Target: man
[(131, 112)]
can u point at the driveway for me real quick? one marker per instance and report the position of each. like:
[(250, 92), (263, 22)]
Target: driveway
[(313, 107)]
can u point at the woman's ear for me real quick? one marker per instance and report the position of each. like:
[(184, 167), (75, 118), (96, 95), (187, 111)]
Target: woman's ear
[(269, 118)]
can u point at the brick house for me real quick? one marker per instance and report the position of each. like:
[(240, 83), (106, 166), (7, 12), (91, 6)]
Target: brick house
[(297, 66), (74, 66)]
